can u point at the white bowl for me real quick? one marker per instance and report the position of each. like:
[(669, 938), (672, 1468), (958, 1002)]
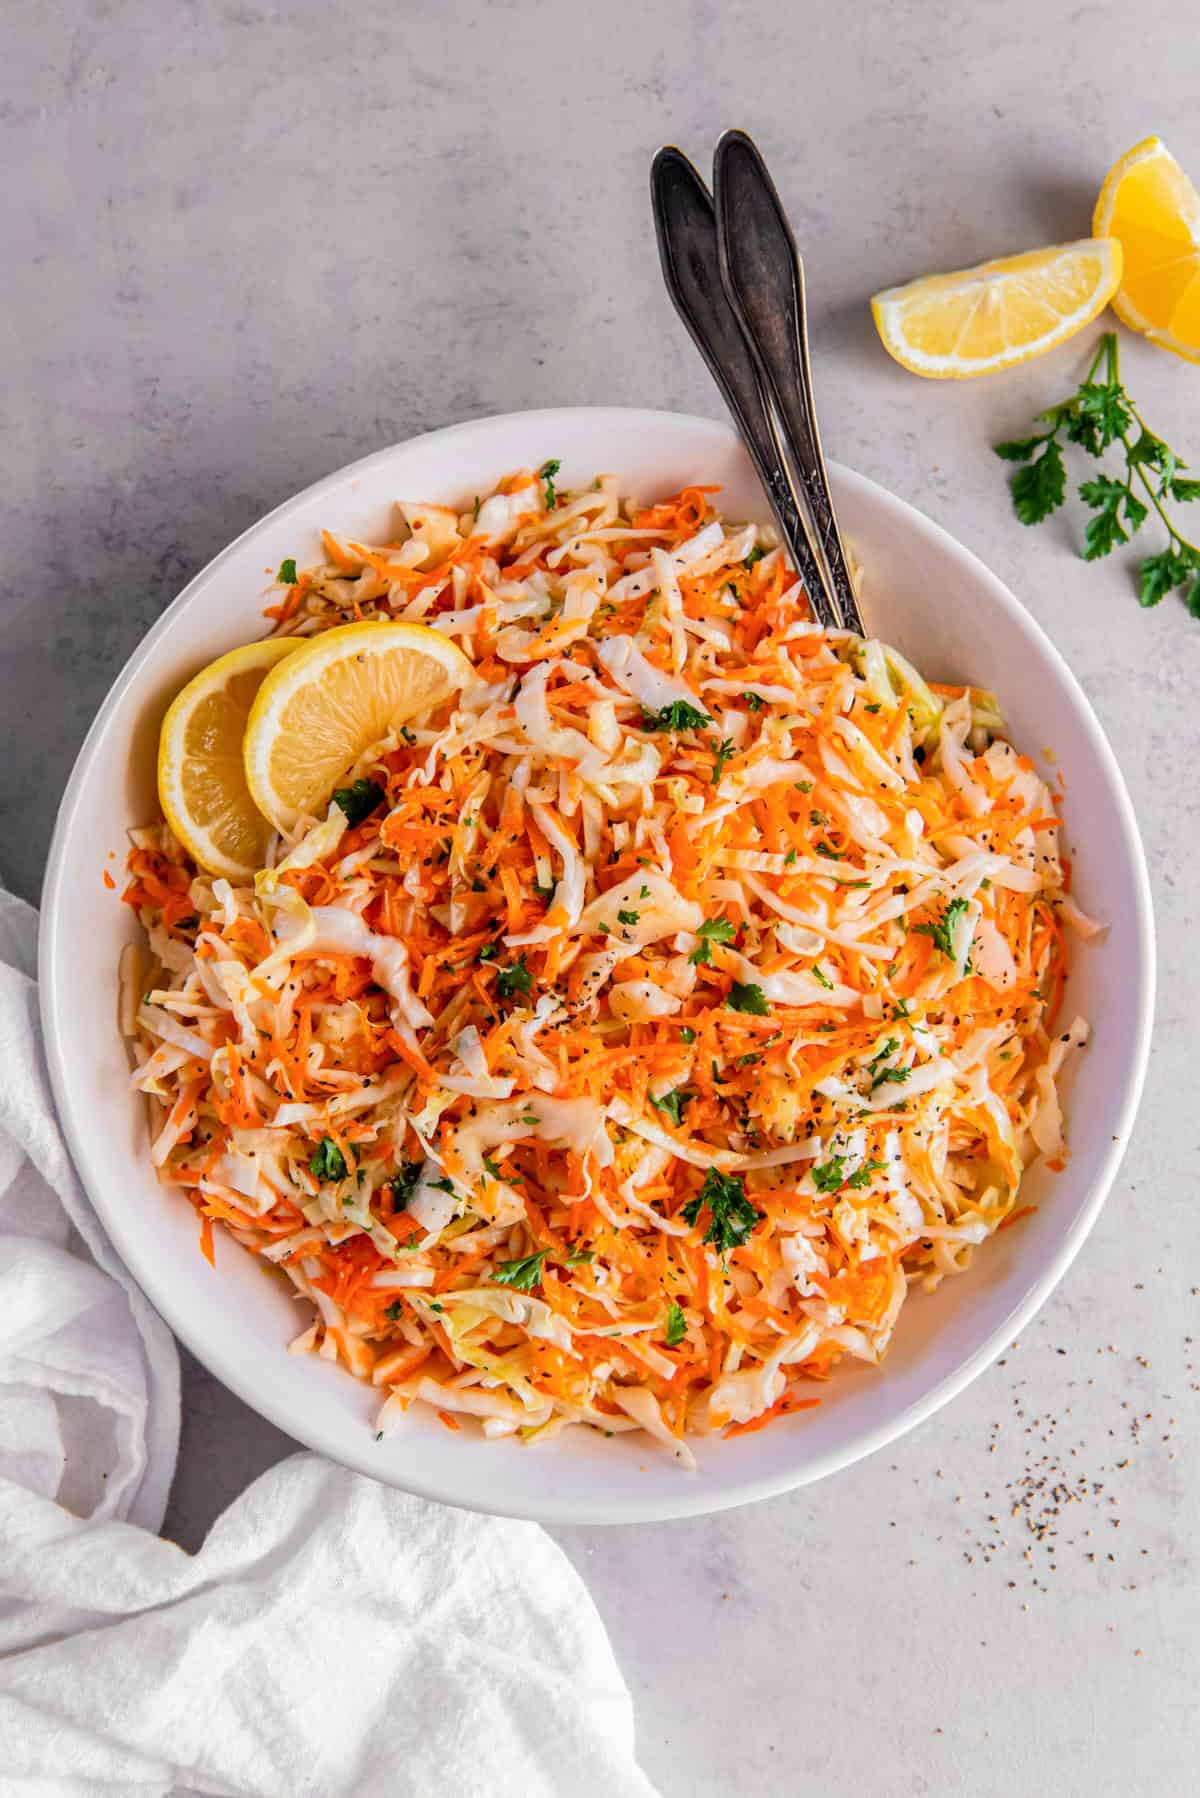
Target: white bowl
[(922, 592)]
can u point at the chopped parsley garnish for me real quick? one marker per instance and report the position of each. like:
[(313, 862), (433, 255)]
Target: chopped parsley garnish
[(359, 800), (829, 852), (393, 1311), (544, 893), (713, 930), (489, 952), (581, 1258), (731, 1215), (673, 1103), (679, 715), (676, 1325), (445, 1184), (687, 1034), (628, 917), (722, 751), (644, 893), (287, 576), (829, 1175), (524, 1274), (943, 931), (493, 1168), (404, 1183), (516, 979), (748, 1061), (328, 1162), (791, 856), (897, 1075), (818, 973), (861, 1178), (804, 786), (475, 512), (546, 473), (756, 555), (745, 996), (754, 701)]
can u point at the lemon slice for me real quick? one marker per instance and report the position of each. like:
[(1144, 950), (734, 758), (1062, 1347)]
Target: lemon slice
[(201, 778), (327, 704), (1148, 203), (980, 319)]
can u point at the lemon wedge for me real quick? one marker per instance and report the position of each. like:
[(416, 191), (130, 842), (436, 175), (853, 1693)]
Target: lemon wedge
[(201, 777), (1149, 204), (980, 319), (339, 694)]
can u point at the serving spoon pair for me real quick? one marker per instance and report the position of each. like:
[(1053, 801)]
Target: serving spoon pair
[(734, 273)]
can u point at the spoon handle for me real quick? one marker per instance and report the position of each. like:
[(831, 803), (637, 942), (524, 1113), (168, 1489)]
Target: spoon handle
[(685, 224), (763, 278)]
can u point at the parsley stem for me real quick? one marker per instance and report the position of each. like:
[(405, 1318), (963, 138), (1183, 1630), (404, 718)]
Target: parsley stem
[(1114, 377)]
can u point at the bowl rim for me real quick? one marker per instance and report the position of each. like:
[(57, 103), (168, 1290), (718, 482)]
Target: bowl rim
[(54, 1007)]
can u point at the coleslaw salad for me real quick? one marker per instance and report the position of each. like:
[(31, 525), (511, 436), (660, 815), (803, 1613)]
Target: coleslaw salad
[(634, 1031)]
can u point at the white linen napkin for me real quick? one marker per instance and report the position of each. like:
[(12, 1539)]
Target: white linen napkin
[(332, 1637)]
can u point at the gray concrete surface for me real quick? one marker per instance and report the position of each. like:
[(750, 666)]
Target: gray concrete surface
[(246, 243)]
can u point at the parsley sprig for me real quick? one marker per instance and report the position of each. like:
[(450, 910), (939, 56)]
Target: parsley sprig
[(731, 1216), (679, 715), (1097, 416)]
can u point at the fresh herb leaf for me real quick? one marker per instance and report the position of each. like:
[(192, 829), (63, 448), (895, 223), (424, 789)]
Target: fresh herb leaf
[(522, 1275), (546, 473), (628, 917), (359, 800), (581, 1258), (754, 701), (829, 852), (756, 555), (514, 979), (713, 930), (818, 973), (942, 932), (1020, 448), (1162, 573), (687, 1034), (287, 576), (791, 856), (676, 1325), (731, 1215), (745, 996), (404, 1183), (673, 1103), (493, 1168), (829, 1175), (1041, 486), (860, 1179), (328, 1162), (722, 751), (445, 1184), (488, 952), (679, 715), (393, 1311)]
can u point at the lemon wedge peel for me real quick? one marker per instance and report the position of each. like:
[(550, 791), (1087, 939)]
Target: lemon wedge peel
[(342, 692), (1152, 207), (976, 321), (201, 777)]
